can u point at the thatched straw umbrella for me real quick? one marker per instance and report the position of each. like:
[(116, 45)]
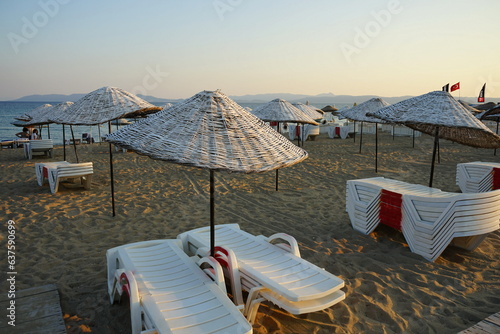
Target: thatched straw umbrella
[(100, 106), (439, 114), (37, 113), (209, 130), (492, 114), (32, 113), (360, 113), (279, 110), (309, 110)]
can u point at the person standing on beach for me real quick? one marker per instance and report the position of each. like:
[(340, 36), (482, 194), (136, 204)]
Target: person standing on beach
[(24, 134)]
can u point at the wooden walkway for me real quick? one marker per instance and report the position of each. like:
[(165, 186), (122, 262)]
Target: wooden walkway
[(490, 325), (37, 310)]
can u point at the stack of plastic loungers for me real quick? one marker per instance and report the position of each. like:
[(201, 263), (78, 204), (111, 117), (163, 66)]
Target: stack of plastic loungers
[(430, 219), (478, 177)]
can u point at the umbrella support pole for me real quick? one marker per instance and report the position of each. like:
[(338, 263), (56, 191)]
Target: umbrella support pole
[(276, 180), (212, 214), (436, 143), (413, 135), (354, 133), (376, 148), (111, 174), (438, 152), (302, 135), (495, 151), (360, 137), (393, 131), (74, 142), (64, 143), (99, 131), (48, 130)]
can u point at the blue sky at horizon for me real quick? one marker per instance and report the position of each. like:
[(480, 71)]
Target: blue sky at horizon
[(174, 49)]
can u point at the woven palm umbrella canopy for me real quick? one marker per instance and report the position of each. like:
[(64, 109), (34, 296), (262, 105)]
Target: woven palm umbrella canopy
[(32, 113), (43, 116), (470, 108), (209, 130), (439, 114), (360, 113), (100, 106), (309, 110), (279, 110), (329, 108), (103, 105), (492, 114)]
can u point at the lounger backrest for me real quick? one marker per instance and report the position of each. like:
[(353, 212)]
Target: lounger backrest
[(41, 144), (79, 169)]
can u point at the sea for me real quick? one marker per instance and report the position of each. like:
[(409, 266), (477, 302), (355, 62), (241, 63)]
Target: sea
[(10, 110)]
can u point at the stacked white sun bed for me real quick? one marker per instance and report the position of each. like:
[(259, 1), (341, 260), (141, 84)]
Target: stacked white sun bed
[(478, 177), (430, 219)]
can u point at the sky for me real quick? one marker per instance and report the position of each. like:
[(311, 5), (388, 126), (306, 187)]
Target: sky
[(175, 49)]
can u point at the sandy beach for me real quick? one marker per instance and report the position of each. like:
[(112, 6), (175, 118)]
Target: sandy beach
[(63, 238)]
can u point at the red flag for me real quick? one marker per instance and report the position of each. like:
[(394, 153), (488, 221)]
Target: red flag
[(455, 87), (480, 98)]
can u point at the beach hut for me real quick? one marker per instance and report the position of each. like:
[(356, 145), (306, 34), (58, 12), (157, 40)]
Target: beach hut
[(210, 131), (439, 114), (360, 113), (103, 106)]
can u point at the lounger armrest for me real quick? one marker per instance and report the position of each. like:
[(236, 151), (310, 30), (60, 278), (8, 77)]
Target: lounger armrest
[(202, 252), (292, 246), (126, 280), (213, 269)]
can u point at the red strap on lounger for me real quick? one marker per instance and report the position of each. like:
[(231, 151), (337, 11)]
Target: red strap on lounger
[(219, 258), (273, 123), (496, 178), (45, 172), (337, 130), (390, 209), (297, 130), (124, 283)]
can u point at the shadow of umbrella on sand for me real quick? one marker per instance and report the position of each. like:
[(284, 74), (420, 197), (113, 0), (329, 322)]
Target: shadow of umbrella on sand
[(211, 131), (100, 106), (439, 114)]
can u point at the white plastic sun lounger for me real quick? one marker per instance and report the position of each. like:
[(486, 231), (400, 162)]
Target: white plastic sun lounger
[(82, 171), (45, 146), (42, 175), (169, 292), (430, 219), (268, 271), (476, 177)]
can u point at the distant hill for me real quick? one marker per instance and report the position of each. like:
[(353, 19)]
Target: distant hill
[(319, 100), (76, 97)]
